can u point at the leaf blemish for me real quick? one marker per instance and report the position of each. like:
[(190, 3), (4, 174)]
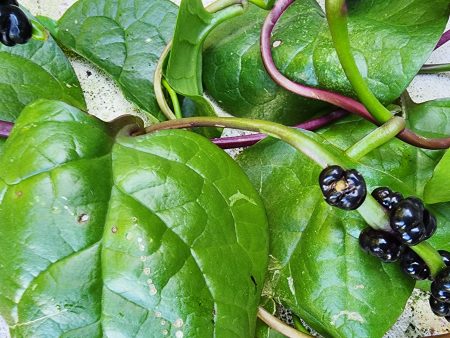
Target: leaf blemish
[(83, 218), (354, 316), (277, 43), (114, 229)]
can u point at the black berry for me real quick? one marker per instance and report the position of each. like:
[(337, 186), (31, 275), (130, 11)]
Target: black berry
[(445, 256), (440, 309), (412, 222), (15, 28), (440, 287), (380, 244), (9, 2), (414, 266), (345, 189), (387, 198)]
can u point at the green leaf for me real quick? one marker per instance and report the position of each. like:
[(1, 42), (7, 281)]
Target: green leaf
[(106, 235), (124, 38), (437, 189), (391, 40), (36, 70), (430, 118), (317, 268)]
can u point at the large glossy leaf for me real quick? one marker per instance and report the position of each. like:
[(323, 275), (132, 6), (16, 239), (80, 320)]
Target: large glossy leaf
[(124, 38), (105, 235), (438, 190), (317, 268), (390, 39)]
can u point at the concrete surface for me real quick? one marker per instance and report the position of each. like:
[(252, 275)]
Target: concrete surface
[(105, 100)]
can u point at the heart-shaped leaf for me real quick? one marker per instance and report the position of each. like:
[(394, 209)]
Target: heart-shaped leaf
[(105, 235), (391, 40), (124, 38), (317, 267)]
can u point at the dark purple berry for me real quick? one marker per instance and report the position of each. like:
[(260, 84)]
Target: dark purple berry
[(445, 256), (380, 244), (440, 309), (407, 219), (414, 266), (440, 287), (386, 197), (15, 28), (344, 189), (430, 224), (9, 2)]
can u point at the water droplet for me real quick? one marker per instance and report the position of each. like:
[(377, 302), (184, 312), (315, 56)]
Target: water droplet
[(139, 239), (83, 218), (153, 290), (163, 322), (178, 323), (149, 282), (114, 229), (179, 334), (276, 43), (143, 258), (134, 219), (165, 332), (147, 271), (128, 236), (158, 314)]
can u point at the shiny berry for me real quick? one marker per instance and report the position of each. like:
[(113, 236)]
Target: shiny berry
[(387, 198), (9, 2), (440, 309), (411, 221), (440, 287), (380, 244), (445, 256), (414, 266), (15, 28), (344, 189)]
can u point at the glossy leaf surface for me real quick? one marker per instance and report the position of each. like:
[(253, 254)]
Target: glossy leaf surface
[(106, 235), (317, 268), (390, 47), (36, 70), (124, 38)]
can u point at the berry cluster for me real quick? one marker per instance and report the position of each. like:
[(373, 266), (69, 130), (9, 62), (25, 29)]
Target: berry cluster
[(411, 223), (15, 27)]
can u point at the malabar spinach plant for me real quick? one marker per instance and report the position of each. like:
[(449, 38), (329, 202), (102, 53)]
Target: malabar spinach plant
[(119, 229)]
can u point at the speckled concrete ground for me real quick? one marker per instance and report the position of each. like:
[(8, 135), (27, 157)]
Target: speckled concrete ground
[(105, 100)]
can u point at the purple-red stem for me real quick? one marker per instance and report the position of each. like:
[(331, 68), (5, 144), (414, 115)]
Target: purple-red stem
[(5, 129), (249, 140), (443, 40), (338, 100)]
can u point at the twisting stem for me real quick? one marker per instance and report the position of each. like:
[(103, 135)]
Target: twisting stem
[(5, 129), (430, 256), (377, 138), (305, 142), (435, 69), (338, 100), (336, 11), (277, 325), (174, 97), (249, 140), (38, 31)]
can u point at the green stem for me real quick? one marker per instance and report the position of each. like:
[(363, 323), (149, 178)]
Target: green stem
[(435, 69), (303, 141), (377, 138), (38, 32), (174, 97), (430, 256), (309, 144), (219, 5), (336, 11), (157, 84)]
